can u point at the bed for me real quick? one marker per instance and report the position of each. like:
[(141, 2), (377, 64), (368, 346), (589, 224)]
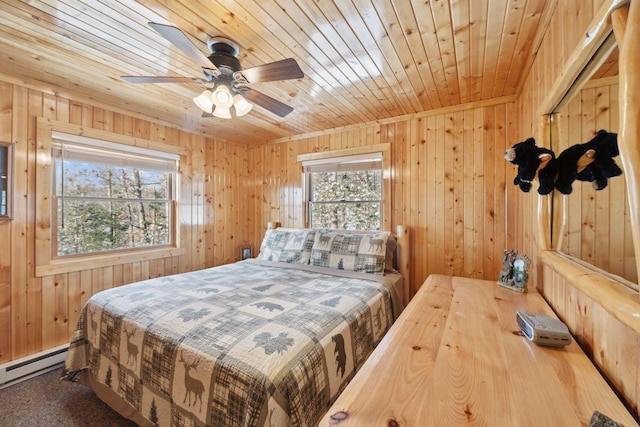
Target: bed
[(270, 341)]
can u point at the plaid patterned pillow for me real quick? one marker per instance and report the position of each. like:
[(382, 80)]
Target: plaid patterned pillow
[(289, 246), (364, 253)]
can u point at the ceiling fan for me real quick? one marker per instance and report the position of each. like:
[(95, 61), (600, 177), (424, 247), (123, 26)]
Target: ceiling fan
[(227, 83)]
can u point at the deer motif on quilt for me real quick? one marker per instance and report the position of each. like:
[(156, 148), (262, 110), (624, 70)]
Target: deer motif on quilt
[(191, 384), (132, 349)]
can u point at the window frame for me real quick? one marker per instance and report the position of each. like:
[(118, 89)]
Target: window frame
[(47, 262), (343, 154), (68, 147)]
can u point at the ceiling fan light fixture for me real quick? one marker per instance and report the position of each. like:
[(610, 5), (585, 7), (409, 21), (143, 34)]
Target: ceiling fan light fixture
[(242, 105), (222, 113), (204, 101), (222, 97), (224, 75)]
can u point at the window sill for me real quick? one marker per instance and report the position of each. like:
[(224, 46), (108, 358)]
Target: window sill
[(97, 261)]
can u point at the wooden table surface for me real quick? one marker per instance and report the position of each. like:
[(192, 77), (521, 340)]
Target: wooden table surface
[(454, 357)]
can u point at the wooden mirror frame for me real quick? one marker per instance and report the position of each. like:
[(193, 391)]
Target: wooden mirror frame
[(607, 30)]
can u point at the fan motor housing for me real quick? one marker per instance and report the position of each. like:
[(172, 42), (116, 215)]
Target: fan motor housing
[(224, 54)]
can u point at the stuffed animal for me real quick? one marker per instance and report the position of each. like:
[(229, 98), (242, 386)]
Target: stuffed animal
[(591, 161), (529, 158)]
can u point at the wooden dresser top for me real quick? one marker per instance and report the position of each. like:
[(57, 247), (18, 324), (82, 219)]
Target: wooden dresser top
[(455, 357)]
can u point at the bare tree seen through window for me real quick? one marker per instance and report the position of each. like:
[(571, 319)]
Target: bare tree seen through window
[(348, 200), (102, 208)]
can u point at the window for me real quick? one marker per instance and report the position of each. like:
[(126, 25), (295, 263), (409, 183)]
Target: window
[(6, 154), (108, 196), (345, 192)]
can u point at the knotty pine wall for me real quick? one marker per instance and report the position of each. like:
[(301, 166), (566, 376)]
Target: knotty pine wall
[(602, 328), (37, 313), (448, 184), (560, 40), (602, 319)]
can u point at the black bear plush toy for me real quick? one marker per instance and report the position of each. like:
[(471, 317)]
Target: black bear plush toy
[(597, 154), (528, 157)]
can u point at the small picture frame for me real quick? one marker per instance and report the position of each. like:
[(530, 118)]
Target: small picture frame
[(515, 273), (245, 253)]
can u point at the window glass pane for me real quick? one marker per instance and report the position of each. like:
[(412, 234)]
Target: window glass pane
[(362, 185), (345, 192), (106, 198), (346, 216), (87, 226), (95, 180)]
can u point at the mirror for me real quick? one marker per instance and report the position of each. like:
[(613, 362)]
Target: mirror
[(593, 226)]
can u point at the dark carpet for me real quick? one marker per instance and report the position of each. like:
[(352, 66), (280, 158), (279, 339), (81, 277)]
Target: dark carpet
[(47, 401)]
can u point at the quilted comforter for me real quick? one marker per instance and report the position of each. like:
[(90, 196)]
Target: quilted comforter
[(245, 344)]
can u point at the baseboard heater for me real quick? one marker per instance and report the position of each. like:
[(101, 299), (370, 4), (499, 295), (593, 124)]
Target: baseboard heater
[(28, 367)]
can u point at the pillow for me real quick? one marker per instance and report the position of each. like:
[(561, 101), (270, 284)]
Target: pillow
[(291, 246), (363, 253)]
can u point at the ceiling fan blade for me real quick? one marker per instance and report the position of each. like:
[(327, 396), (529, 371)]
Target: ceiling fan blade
[(182, 42), (144, 79), (268, 103), (285, 69)]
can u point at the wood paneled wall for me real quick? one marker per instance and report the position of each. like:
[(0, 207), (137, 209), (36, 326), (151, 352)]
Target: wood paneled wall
[(612, 344), (449, 185), (37, 313), (560, 40)]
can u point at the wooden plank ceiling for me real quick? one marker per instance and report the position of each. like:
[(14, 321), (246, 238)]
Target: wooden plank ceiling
[(363, 60)]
